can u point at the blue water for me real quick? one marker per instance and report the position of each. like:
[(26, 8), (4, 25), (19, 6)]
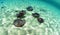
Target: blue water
[(54, 3), (51, 16)]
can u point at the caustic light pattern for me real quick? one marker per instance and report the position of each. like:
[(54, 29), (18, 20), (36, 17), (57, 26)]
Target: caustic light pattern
[(45, 21)]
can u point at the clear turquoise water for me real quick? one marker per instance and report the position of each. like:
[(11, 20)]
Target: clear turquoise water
[(51, 16)]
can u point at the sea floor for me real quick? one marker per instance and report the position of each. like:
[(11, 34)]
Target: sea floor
[(50, 14)]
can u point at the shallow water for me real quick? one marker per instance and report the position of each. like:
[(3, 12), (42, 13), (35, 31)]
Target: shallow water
[(50, 14)]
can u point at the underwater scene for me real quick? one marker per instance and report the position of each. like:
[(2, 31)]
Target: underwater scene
[(29, 17)]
